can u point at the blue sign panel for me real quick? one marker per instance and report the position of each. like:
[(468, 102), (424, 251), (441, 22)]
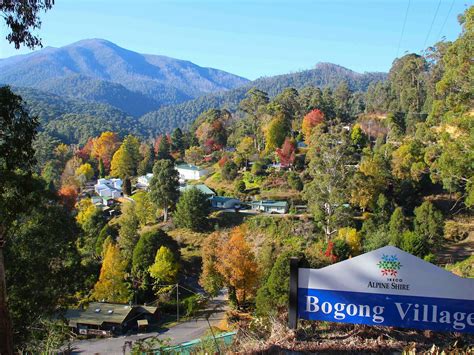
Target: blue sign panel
[(387, 287), (389, 310)]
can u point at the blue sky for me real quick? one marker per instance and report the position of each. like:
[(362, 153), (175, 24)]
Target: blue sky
[(256, 38)]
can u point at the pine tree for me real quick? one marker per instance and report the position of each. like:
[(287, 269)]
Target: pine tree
[(164, 185), (192, 210), (101, 168)]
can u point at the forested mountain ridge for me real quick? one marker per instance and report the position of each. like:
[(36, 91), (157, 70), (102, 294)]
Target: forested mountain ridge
[(324, 75), (161, 79), (73, 121)]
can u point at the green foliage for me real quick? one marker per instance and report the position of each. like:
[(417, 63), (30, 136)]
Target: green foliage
[(145, 209), (274, 293), (258, 168), (128, 232), (127, 186), (463, 268), (396, 227), (239, 186), (330, 168), (36, 285), (294, 181), (229, 171), (164, 185), (428, 224), (192, 210), (414, 243), (145, 252), (258, 91), (275, 134)]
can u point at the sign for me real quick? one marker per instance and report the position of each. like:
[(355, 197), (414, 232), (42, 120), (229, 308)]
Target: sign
[(386, 287)]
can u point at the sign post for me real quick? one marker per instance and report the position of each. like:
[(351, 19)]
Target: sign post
[(293, 309), (387, 287)]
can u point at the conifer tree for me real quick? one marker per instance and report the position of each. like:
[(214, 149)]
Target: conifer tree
[(164, 186)]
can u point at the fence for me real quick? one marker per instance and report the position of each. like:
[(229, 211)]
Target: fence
[(191, 346)]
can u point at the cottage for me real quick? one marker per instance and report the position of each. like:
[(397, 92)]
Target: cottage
[(223, 202), (190, 172), (270, 206), (201, 187), (144, 180), (109, 188), (101, 318)]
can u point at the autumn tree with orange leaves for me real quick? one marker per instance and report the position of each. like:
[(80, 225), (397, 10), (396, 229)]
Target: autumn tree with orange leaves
[(68, 196), (311, 120), (105, 146), (237, 265)]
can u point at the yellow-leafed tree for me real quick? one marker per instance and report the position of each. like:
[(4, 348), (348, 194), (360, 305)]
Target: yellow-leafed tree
[(111, 286), (238, 267), (165, 267)]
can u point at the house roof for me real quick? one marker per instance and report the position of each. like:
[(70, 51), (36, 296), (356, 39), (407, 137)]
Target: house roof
[(99, 312), (270, 203), (223, 199), (201, 187), (188, 167)]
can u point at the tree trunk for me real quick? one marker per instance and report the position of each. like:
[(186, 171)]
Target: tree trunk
[(6, 334), (165, 214)]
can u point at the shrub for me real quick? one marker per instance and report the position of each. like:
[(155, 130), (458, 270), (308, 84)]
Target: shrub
[(295, 181), (229, 171), (258, 168)]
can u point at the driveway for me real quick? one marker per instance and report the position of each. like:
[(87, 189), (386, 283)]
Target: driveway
[(180, 333)]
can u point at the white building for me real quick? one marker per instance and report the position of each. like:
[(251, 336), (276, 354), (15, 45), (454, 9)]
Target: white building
[(109, 188), (190, 172), (144, 180)]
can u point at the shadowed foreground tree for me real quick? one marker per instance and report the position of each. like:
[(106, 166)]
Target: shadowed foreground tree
[(22, 17), (17, 132)]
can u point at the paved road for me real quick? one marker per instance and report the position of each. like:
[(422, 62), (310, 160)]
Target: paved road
[(186, 331)]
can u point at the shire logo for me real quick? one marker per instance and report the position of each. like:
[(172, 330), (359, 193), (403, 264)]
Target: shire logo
[(389, 265)]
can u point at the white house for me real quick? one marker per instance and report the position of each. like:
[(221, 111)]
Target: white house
[(269, 206), (144, 180), (190, 172), (109, 188)]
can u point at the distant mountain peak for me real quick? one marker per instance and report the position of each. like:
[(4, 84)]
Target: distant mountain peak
[(157, 79)]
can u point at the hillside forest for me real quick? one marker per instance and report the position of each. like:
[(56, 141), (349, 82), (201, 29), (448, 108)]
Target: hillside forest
[(359, 169)]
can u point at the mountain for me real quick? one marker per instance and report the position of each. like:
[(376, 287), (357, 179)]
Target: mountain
[(323, 75), (99, 70), (74, 121)]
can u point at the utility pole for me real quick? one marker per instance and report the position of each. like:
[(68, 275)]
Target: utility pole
[(177, 302)]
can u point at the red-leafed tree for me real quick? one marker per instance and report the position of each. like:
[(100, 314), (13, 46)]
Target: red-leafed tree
[(222, 161), (86, 151), (286, 153), (68, 196), (311, 120)]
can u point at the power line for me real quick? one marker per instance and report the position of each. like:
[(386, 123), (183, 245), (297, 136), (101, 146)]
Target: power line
[(445, 20), (403, 28), (432, 23)]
